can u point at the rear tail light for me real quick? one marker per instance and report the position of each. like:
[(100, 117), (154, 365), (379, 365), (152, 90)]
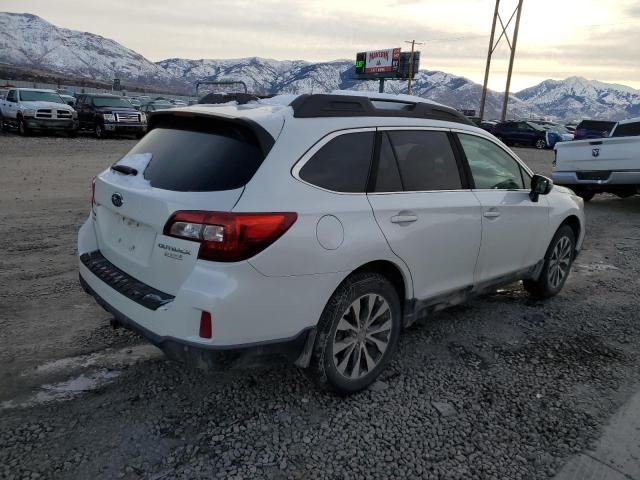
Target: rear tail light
[(93, 192), (206, 328), (229, 237)]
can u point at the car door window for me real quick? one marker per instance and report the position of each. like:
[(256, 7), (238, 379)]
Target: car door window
[(426, 160), (387, 175), (342, 164), (11, 96), (491, 167)]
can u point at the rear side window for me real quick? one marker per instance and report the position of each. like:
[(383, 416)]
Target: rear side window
[(426, 160), (197, 161), (342, 164), (627, 130)]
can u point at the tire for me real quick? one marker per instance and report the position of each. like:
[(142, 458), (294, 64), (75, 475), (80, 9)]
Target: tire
[(349, 369), (540, 144), (98, 131), (22, 127), (2, 127), (139, 135), (72, 133), (557, 265), (585, 195)]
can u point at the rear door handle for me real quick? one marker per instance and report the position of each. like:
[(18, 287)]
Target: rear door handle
[(491, 214), (404, 218)]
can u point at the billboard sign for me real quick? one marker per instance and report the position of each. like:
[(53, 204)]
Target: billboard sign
[(378, 61)]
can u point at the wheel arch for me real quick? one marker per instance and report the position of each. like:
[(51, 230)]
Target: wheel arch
[(573, 222)]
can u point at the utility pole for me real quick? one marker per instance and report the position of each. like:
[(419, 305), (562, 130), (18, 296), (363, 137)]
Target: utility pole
[(488, 67), (492, 47), (413, 44), (513, 55)]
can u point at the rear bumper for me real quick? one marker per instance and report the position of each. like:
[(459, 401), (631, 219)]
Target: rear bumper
[(43, 124), (210, 357), (626, 177)]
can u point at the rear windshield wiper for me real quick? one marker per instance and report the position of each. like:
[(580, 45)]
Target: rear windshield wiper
[(124, 169)]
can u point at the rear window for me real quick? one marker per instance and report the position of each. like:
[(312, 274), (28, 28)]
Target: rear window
[(627, 130), (198, 161)]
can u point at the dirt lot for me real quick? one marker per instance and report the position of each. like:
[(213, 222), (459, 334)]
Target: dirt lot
[(505, 387)]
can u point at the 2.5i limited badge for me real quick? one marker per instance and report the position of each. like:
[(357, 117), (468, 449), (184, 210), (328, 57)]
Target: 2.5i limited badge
[(173, 252)]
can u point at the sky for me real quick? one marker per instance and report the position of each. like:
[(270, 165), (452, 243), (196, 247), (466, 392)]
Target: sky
[(558, 38)]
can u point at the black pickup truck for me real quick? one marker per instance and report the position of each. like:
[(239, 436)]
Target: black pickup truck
[(105, 114)]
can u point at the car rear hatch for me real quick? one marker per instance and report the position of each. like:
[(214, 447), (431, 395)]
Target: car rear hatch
[(186, 162)]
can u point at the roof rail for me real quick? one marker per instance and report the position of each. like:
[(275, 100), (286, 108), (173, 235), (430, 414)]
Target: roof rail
[(328, 105)]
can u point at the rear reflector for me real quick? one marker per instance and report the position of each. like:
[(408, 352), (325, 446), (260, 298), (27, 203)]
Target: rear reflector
[(229, 237), (206, 329)]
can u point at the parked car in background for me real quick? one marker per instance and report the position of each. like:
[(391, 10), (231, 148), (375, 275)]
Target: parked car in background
[(68, 100), (488, 125), (285, 231), (156, 105), (522, 133), (105, 114), (32, 109), (627, 128), (556, 133), (601, 165), (593, 129)]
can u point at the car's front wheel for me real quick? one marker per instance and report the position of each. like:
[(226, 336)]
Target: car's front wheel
[(541, 144), (22, 127), (357, 334), (98, 131), (557, 264)]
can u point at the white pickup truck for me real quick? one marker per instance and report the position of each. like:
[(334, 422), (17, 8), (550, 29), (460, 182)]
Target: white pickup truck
[(30, 109), (600, 165)]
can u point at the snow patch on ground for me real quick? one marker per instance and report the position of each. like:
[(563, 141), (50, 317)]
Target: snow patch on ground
[(66, 390)]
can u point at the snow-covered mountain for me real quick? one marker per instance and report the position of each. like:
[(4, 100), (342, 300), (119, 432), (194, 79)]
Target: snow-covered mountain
[(576, 98), (29, 41), (268, 76)]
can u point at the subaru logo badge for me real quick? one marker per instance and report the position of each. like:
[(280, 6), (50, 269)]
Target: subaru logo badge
[(116, 199), (595, 152)]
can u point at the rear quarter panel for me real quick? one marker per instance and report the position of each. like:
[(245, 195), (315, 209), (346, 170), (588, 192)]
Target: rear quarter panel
[(273, 188)]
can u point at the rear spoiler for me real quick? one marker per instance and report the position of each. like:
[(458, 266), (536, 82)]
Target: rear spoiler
[(210, 123)]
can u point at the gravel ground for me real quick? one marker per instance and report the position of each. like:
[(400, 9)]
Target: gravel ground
[(502, 388)]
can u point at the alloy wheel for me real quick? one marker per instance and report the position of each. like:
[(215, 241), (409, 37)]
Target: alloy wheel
[(362, 336), (559, 262), (540, 144)]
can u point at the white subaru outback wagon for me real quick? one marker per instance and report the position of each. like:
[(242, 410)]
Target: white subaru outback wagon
[(317, 227)]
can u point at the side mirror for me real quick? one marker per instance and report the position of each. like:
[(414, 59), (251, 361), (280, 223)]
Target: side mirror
[(540, 185)]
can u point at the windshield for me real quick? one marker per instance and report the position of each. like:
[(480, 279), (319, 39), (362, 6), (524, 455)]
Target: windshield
[(35, 96), (111, 102)]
